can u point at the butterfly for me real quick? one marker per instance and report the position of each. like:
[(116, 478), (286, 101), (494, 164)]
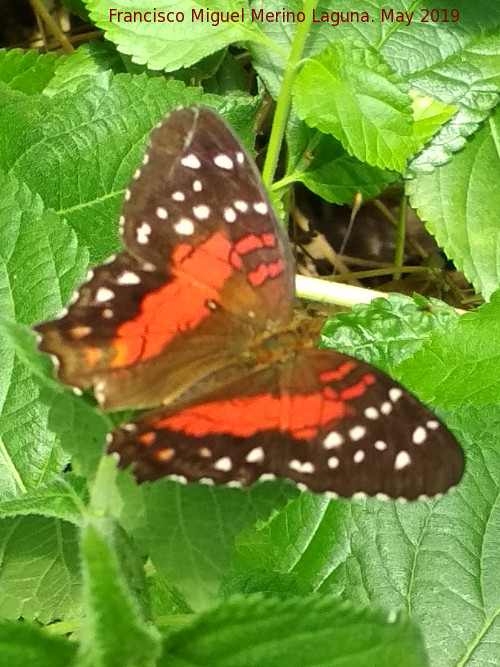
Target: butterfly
[(192, 321)]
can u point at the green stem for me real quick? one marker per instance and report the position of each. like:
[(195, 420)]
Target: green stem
[(284, 98), (400, 239), (103, 482)]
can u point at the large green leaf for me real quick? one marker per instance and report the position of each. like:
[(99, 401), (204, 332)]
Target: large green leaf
[(300, 632)]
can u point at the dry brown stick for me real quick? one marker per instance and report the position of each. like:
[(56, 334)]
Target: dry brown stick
[(41, 11)]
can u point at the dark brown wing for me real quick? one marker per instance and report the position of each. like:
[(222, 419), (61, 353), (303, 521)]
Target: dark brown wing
[(326, 421), (207, 269)]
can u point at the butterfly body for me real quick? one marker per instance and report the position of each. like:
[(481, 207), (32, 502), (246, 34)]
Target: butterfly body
[(194, 319)]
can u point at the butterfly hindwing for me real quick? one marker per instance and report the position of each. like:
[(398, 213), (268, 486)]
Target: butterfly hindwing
[(324, 420)]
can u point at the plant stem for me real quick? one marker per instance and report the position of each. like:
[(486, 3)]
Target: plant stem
[(328, 292), (103, 482), (284, 98), (400, 238)]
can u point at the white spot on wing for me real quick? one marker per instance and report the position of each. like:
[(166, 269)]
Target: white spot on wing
[(162, 212), (260, 207), (333, 462), (201, 212), (224, 464), (255, 455), (145, 159), (142, 233), (128, 278), (178, 196), (74, 297), (191, 161), (137, 173), (432, 424), (240, 205), (386, 408), (240, 157), (298, 466), (223, 161), (419, 435), (371, 413), (359, 456), (100, 391), (178, 478), (357, 432), (197, 186), (130, 427), (267, 477), (128, 194), (229, 214), (185, 226), (380, 445), (332, 440), (395, 393), (403, 459), (104, 294)]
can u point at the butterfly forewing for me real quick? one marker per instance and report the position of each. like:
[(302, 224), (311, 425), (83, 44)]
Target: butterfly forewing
[(199, 192), (207, 270)]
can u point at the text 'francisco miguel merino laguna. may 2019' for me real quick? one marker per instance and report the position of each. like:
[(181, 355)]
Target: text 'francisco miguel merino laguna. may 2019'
[(245, 15)]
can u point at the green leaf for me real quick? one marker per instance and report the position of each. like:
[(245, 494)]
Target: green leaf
[(188, 531), (454, 62), (314, 630), (30, 452), (470, 80), (39, 569), (176, 39), (34, 237), (387, 331), (284, 584), (116, 630), (429, 115), (94, 59), (350, 92), (28, 71), (78, 151), (62, 498), (54, 417), (459, 203), (462, 364), (25, 645), (321, 164)]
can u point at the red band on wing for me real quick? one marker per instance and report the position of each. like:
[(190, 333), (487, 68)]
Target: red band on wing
[(245, 416), (265, 271), (159, 320), (338, 373), (358, 389), (252, 242)]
